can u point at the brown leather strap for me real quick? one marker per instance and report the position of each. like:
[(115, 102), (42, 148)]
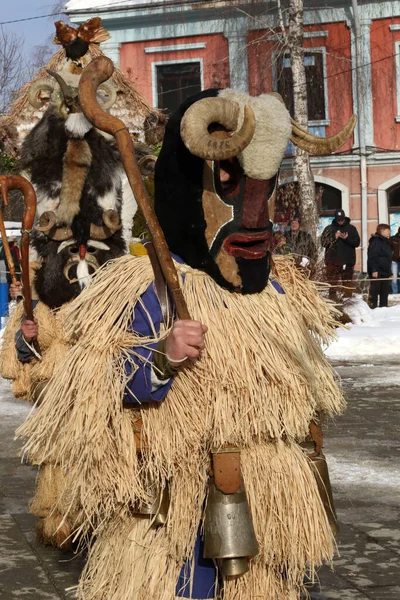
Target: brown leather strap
[(160, 283), (317, 437), (227, 473)]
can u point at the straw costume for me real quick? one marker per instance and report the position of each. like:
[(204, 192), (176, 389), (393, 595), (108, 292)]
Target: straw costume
[(131, 427)]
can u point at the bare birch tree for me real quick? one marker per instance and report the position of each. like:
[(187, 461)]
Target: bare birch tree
[(12, 69), (302, 167)]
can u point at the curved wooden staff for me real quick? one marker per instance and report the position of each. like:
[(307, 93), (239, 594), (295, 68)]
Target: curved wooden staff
[(98, 71), (6, 245), (14, 182)]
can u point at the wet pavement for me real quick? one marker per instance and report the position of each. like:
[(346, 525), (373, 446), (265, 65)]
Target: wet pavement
[(363, 452)]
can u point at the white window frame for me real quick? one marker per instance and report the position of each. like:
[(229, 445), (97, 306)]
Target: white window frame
[(321, 50), (176, 48), (396, 51), (156, 64)]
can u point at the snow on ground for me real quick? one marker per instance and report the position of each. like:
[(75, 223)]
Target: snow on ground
[(373, 334)]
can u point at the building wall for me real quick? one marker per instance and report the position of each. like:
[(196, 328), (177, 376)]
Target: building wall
[(137, 60), (334, 38), (239, 51), (385, 68)]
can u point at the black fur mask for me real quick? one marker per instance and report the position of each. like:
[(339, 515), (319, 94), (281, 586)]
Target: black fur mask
[(232, 247)]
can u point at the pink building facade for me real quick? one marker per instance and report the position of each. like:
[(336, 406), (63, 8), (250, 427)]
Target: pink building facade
[(173, 49)]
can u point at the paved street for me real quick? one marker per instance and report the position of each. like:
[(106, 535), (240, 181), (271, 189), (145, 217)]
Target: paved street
[(363, 450)]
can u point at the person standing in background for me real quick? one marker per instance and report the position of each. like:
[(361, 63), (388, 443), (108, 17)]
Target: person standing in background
[(395, 244), (299, 243), (379, 266), (340, 240)]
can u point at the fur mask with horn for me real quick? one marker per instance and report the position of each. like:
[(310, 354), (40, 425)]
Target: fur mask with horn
[(85, 206), (215, 181)]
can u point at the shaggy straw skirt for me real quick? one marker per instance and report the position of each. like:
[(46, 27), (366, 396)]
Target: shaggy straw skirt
[(260, 380)]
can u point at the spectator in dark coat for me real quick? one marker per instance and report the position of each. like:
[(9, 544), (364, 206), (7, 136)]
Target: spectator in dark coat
[(340, 240), (379, 266), (395, 244), (299, 243)]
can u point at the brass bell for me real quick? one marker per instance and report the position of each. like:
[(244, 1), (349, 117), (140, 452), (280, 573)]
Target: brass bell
[(228, 530), (156, 506), (319, 467)]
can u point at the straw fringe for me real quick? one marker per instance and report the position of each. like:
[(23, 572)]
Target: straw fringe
[(253, 387), (52, 527), (129, 561), (290, 522), (51, 344), (10, 366)]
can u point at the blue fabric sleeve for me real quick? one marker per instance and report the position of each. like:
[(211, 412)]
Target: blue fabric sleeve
[(277, 286), (146, 322)]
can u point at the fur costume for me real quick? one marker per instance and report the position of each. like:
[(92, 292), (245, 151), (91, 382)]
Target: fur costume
[(84, 218)]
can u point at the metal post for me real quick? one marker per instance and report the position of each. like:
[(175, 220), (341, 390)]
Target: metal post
[(361, 135)]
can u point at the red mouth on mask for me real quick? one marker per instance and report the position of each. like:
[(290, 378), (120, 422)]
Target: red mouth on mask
[(248, 245)]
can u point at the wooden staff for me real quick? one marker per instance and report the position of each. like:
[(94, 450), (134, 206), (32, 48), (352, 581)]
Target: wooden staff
[(98, 71), (6, 245), (14, 182)]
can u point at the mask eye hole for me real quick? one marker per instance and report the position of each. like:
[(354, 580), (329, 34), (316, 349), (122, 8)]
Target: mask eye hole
[(73, 249), (91, 250), (228, 174)]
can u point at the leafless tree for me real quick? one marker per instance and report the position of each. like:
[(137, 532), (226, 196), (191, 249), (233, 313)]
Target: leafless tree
[(42, 53), (294, 40), (286, 29), (12, 69), (39, 57)]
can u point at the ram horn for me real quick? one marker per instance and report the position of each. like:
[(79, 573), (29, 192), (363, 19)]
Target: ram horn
[(36, 87), (112, 223), (63, 85), (111, 92), (317, 145), (47, 221), (199, 116), (142, 162), (48, 226)]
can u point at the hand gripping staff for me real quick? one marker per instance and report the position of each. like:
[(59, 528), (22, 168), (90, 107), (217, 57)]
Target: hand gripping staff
[(98, 71), (15, 182)]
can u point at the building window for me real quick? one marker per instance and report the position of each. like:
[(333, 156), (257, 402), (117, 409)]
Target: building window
[(394, 208), (175, 82), (329, 199), (397, 55), (315, 65)]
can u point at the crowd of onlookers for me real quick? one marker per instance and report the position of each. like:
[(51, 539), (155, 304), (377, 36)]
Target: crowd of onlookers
[(340, 240)]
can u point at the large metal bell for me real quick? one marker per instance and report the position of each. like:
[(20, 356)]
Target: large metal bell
[(229, 534), (156, 506)]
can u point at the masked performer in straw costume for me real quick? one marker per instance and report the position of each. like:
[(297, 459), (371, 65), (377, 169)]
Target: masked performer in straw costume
[(145, 409), (84, 218)]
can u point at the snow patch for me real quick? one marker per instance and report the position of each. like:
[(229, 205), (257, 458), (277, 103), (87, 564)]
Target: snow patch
[(374, 333)]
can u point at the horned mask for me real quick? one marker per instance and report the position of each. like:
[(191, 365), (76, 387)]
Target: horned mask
[(216, 181)]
